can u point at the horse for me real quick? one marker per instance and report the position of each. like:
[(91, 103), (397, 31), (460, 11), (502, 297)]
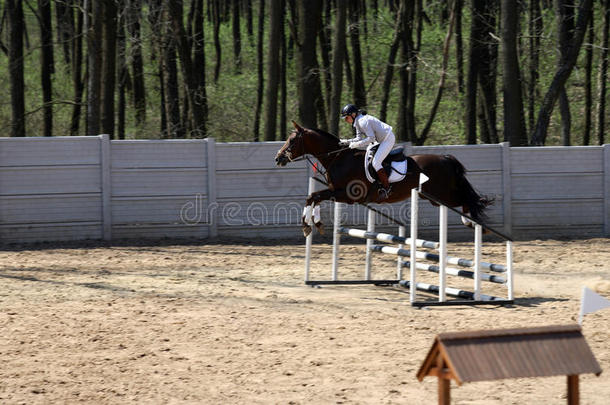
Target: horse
[(347, 181)]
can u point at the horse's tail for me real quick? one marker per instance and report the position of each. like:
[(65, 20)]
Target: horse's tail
[(475, 202)]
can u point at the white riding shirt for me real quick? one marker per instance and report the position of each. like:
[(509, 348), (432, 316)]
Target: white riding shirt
[(368, 130)]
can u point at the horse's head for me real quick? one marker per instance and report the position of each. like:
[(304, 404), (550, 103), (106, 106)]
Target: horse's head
[(294, 146)]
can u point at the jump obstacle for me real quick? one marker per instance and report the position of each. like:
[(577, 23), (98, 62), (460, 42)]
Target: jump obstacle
[(471, 269)]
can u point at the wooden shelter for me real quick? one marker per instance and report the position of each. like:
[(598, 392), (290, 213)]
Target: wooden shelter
[(509, 353)]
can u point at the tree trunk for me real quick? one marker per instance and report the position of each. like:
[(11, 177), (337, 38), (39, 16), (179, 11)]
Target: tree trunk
[(259, 70), (77, 62), (603, 74), (487, 73), (475, 57), (561, 75), (459, 45), (273, 69), (195, 94), (249, 26), (406, 20), (15, 60), (65, 27), (109, 67), (94, 51), (354, 35), (176, 128), (199, 69), (535, 33), (441, 83), (46, 64), (137, 61), (514, 121), (412, 67), (325, 49), (337, 67), (283, 66), (565, 15), (216, 24), (389, 70), (236, 37), (586, 136), (123, 71), (307, 75)]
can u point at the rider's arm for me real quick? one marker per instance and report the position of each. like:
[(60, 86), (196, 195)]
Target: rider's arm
[(365, 137)]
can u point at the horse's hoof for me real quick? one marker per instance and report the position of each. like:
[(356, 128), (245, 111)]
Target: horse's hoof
[(320, 228), (306, 230)]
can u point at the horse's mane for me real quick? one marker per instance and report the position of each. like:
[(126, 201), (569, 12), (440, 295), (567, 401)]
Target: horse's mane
[(326, 134)]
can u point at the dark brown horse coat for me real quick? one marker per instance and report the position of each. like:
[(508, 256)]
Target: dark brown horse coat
[(348, 183)]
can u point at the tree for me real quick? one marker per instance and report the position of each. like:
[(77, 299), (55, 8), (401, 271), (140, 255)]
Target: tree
[(273, 68), (389, 70), (306, 61), (514, 120), (47, 65), (94, 59), (236, 36), (354, 36), (216, 35), (565, 14), (15, 59), (137, 61), (78, 83), (194, 91), (561, 75), (475, 57), (337, 66), (201, 97), (603, 74), (586, 135), (259, 70), (109, 66), (535, 32)]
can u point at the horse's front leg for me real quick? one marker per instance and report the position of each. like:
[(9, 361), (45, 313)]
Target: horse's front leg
[(313, 215)]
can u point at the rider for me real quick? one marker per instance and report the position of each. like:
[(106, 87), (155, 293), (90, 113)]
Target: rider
[(368, 130)]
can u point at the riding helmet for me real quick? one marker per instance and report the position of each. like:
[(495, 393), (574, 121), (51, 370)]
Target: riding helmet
[(348, 109)]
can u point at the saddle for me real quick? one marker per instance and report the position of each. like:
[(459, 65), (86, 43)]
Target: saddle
[(395, 164)]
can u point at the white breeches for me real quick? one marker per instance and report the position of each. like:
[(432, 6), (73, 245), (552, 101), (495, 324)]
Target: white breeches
[(383, 150)]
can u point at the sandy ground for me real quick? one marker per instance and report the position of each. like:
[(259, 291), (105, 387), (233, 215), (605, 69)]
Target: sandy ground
[(232, 323)]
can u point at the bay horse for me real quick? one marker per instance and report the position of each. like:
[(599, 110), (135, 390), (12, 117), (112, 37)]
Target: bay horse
[(347, 181)]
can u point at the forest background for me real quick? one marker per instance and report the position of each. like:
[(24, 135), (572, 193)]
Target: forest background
[(440, 72)]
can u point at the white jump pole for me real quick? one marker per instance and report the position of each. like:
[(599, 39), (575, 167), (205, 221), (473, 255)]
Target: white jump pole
[(413, 247), (309, 238), (336, 239), (402, 232), (370, 227), (478, 240), (509, 268), (442, 253)]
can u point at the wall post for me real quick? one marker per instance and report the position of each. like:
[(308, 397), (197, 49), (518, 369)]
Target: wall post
[(106, 182), (212, 204), (507, 198), (606, 177)]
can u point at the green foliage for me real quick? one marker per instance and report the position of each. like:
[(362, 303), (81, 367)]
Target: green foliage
[(232, 100)]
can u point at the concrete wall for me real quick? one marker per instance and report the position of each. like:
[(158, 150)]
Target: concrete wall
[(72, 188)]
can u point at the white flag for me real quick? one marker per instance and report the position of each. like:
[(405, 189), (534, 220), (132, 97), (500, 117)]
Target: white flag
[(423, 178), (591, 302)]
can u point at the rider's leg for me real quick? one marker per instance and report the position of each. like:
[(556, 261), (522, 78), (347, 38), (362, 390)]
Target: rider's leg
[(382, 152)]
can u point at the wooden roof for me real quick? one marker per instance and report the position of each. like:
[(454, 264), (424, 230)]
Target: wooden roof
[(510, 353)]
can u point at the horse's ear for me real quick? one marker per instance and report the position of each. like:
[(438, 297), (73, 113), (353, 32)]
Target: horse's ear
[(297, 126)]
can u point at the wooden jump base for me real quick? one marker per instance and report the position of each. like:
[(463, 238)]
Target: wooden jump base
[(476, 265)]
